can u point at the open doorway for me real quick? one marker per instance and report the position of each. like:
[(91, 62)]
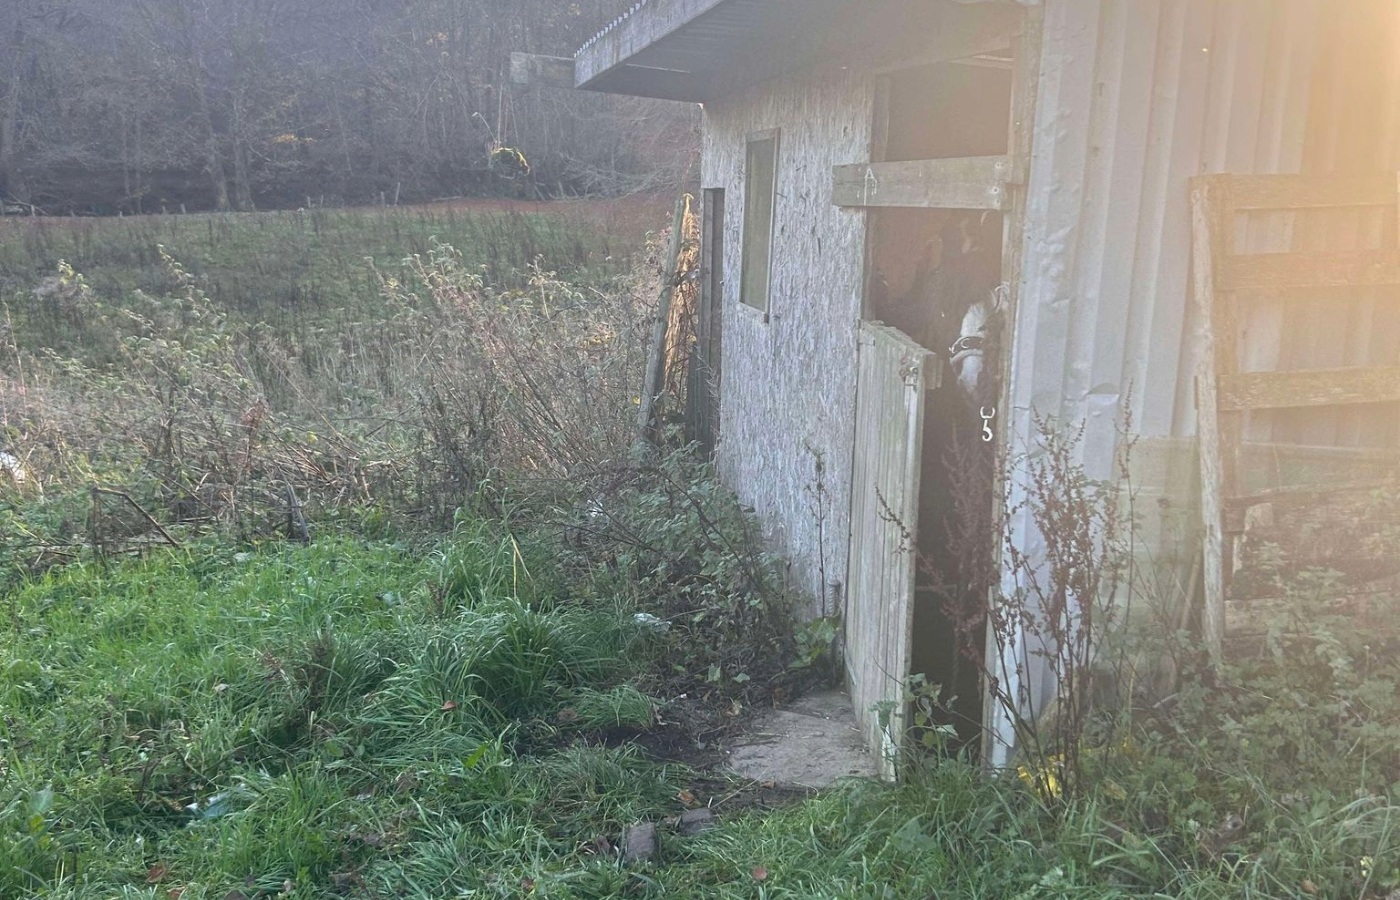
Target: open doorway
[(936, 275)]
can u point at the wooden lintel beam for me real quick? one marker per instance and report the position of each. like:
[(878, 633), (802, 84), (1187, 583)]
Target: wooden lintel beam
[(1313, 387), (1290, 271), (534, 70), (975, 182)]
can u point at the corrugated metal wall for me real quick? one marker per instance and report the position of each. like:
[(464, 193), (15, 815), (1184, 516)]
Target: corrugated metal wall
[(1353, 126), (1136, 97)]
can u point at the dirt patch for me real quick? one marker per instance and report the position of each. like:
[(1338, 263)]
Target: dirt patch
[(812, 744), (759, 756), (666, 742)]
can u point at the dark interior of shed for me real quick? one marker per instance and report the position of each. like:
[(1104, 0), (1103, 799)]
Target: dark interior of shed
[(924, 266)]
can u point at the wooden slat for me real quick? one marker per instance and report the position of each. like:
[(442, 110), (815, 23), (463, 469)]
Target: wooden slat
[(1313, 387), (974, 182), (1204, 241), (1253, 192), (1289, 271), (1302, 492), (656, 361)]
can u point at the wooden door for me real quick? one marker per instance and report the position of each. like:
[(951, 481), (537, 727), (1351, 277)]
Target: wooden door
[(894, 374)]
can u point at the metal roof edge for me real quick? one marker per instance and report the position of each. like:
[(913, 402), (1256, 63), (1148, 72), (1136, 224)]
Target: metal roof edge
[(611, 27)]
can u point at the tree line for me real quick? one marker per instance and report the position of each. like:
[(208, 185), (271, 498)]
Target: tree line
[(141, 105)]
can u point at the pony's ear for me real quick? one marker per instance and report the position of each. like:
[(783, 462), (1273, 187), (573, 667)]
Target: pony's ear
[(1001, 297)]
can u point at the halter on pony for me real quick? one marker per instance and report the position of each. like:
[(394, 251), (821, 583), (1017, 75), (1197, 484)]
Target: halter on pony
[(968, 354)]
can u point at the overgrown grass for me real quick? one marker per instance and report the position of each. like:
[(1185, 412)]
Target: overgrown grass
[(390, 712), (283, 266), (219, 720), (425, 377), (371, 718)]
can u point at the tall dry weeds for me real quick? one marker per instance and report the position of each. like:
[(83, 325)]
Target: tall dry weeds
[(208, 420)]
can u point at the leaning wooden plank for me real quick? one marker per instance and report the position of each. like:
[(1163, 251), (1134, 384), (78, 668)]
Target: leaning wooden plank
[(1311, 387), (656, 359), (1290, 271), (1250, 192), (1208, 420), (970, 182), (533, 70), (882, 549), (863, 597)]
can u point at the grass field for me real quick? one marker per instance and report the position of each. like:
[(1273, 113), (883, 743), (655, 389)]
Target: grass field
[(304, 273), (278, 261), (446, 692), (349, 713), (426, 719)]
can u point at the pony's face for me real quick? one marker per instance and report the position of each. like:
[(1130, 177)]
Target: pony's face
[(971, 353), (955, 300)]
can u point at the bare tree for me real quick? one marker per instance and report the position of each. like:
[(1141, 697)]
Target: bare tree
[(138, 104)]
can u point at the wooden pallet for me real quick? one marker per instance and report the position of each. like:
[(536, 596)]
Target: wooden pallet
[(1225, 393)]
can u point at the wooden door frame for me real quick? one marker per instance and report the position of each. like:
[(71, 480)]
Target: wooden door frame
[(1012, 178), (1025, 95)]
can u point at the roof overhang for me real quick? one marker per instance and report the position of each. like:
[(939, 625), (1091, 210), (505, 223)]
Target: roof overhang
[(697, 50)]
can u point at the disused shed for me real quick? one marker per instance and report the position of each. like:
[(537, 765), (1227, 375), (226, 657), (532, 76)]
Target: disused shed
[(1037, 160)]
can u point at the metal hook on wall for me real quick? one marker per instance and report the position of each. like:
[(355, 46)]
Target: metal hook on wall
[(988, 414)]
